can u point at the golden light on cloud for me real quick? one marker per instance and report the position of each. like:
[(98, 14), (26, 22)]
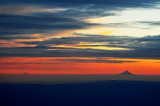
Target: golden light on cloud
[(43, 37), (100, 47), (27, 9), (10, 44), (95, 30), (101, 20)]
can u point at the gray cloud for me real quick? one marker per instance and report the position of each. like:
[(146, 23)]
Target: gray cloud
[(134, 24), (77, 13), (95, 60), (17, 24), (9, 37), (144, 47), (52, 61), (84, 38), (155, 23), (69, 3), (33, 20)]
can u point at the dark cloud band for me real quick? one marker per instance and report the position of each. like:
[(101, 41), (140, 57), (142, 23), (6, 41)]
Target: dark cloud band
[(144, 47)]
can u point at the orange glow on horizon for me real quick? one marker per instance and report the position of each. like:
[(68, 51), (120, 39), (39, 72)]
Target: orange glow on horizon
[(69, 65)]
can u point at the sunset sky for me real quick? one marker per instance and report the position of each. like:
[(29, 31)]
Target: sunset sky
[(79, 36)]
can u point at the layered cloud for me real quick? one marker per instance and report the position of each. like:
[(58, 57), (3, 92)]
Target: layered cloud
[(17, 24), (90, 46), (20, 19), (68, 3), (30, 17)]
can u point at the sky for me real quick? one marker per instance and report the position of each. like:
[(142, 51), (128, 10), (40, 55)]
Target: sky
[(79, 36)]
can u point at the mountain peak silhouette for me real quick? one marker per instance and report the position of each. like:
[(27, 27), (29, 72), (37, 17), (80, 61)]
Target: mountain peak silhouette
[(25, 73), (126, 73)]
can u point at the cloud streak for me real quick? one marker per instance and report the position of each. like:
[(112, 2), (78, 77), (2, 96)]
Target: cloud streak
[(143, 47), (68, 3), (17, 24)]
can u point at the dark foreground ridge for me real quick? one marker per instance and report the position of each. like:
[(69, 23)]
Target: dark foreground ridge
[(101, 93), (52, 79)]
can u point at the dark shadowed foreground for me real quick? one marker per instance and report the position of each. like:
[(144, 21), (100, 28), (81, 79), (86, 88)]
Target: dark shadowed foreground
[(124, 89), (101, 93)]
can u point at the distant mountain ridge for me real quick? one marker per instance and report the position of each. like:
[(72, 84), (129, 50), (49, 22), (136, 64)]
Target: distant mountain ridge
[(126, 73)]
